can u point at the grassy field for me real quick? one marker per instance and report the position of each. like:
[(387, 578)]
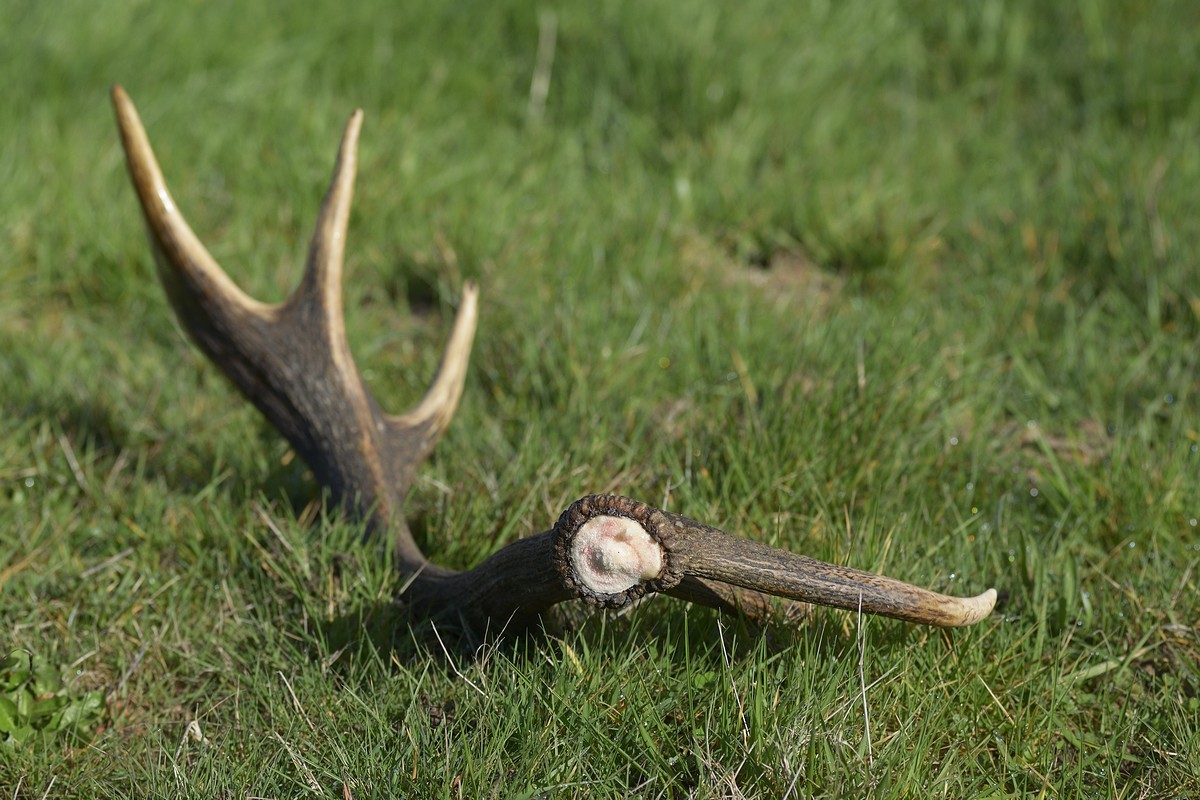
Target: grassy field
[(908, 287)]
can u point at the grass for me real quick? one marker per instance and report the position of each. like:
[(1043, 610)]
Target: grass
[(908, 288)]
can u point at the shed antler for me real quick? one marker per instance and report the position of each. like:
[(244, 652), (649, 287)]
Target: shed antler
[(293, 362)]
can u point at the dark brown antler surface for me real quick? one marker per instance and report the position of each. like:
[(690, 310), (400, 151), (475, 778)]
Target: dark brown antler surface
[(292, 361)]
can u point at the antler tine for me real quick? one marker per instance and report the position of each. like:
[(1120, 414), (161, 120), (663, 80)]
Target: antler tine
[(422, 427), (320, 291), (185, 267), (716, 555)]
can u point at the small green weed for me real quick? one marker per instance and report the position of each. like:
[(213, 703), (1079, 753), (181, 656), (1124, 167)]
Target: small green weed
[(35, 701)]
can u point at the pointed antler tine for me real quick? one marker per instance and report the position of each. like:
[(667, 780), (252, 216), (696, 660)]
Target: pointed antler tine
[(326, 254), (432, 415), (195, 283), (716, 555)]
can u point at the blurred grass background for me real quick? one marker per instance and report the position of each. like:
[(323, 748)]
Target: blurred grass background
[(903, 286)]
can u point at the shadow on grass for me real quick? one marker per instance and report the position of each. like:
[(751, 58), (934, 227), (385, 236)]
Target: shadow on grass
[(699, 637), (97, 427)]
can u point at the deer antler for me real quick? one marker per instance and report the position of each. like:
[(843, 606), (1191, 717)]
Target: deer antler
[(293, 362)]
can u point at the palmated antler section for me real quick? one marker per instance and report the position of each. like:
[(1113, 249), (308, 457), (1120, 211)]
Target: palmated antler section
[(293, 362)]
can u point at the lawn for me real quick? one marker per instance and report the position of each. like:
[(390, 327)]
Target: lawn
[(908, 287)]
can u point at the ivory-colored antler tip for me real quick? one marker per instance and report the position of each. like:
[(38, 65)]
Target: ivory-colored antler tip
[(439, 403), (978, 608), (121, 102)]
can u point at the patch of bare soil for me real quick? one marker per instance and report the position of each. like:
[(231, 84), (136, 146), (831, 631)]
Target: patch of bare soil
[(783, 275), (1086, 445)]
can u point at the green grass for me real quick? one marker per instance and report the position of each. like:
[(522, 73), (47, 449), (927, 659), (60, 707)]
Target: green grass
[(903, 286)]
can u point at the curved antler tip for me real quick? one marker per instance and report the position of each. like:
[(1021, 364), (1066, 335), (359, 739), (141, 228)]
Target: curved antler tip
[(437, 407), (127, 115), (178, 250), (976, 609)]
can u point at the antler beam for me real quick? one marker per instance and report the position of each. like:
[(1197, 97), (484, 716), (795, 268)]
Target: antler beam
[(292, 361)]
